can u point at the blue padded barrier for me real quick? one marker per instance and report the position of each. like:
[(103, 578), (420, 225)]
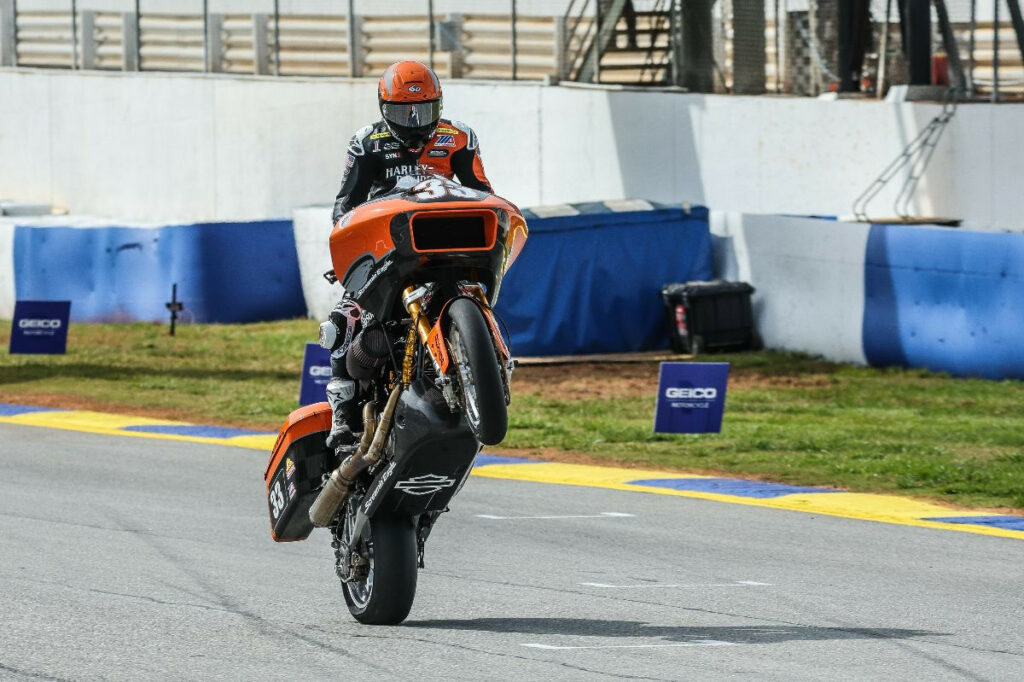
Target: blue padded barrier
[(944, 299), (590, 283), (226, 272)]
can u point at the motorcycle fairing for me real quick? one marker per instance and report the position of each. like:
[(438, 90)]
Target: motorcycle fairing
[(499, 340), (437, 346), (430, 452), (373, 249)]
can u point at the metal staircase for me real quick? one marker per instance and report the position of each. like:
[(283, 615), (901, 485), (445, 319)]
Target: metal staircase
[(600, 45)]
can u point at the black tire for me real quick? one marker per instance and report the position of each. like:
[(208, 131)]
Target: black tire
[(482, 391), (391, 585)]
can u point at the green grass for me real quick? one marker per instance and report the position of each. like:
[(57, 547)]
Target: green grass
[(857, 433), (789, 417), (245, 375)]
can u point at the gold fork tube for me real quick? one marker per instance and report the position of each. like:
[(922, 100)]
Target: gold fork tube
[(414, 307)]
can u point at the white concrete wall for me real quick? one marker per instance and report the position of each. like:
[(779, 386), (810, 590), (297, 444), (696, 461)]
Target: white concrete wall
[(6, 270), (809, 276), (185, 147), (311, 225)]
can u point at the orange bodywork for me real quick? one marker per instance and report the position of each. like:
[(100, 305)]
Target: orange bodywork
[(300, 423), (495, 332), (436, 343), (367, 229)]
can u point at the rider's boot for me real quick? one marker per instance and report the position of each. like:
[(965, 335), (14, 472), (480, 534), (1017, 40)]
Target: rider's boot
[(341, 396)]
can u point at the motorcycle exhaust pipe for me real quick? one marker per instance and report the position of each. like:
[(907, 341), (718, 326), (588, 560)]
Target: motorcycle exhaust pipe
[(377, 446), (339, 484)]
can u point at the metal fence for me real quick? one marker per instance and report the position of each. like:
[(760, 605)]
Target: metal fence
[(752, 46), (803, 47), (344, 44)]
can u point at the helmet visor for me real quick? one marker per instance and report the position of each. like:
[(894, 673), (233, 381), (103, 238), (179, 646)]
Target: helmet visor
[(412, 114)]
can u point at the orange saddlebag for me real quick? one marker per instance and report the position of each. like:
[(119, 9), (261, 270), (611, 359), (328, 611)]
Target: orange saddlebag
[(295, 472)]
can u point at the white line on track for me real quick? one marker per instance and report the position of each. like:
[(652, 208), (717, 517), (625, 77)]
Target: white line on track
[(602, 515), (738, 583), (703, 642)]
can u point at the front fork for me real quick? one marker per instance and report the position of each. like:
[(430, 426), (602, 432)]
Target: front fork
[(433, 339)]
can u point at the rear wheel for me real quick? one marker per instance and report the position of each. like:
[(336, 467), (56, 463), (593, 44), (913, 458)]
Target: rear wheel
[(384, 563), (476, 363)]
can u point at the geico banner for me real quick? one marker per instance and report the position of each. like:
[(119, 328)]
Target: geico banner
[(316, 372), (40, 327), (691, 397)]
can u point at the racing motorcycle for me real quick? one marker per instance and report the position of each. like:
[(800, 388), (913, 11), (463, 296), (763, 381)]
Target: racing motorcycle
[(424, 265)]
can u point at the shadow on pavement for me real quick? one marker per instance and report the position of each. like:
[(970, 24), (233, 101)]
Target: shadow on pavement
[(740, 634)]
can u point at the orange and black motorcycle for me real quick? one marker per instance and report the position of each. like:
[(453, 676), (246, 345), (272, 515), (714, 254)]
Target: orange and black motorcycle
[(425, 266)]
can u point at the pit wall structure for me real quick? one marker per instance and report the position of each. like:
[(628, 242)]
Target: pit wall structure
[(191, 147)]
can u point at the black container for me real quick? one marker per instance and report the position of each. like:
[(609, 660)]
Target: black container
[(706, 316)]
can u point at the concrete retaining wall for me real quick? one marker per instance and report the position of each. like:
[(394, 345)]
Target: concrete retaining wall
[(177, 147), (941, 298), (945, 299), (809, 276)]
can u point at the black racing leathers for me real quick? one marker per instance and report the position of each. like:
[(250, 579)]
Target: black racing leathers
[(376, 161)]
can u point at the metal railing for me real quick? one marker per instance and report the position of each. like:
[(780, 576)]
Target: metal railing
[(632, 47), (512, 46), (796, 54)]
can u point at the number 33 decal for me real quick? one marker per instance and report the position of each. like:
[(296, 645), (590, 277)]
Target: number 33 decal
[(277, 500), (439, 188)]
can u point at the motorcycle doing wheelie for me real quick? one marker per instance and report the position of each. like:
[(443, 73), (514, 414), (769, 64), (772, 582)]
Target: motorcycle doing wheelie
[(425, 266)]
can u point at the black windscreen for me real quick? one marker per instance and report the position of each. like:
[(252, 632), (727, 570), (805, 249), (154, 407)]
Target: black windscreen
[(429, 234)]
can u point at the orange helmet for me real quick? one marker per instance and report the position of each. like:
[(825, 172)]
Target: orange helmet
[(409, 95)]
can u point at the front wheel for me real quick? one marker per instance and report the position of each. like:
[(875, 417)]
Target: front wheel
[(476, 362), (383, 582)]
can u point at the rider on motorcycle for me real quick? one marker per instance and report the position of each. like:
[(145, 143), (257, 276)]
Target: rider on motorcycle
[(410, 140)]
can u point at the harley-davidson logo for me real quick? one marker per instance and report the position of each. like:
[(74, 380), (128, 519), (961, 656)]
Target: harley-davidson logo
[(427, 484)]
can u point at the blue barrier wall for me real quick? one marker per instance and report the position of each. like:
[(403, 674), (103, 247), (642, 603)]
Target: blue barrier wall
[(949, 300), (944, 299), (591, 283), (226, 272)]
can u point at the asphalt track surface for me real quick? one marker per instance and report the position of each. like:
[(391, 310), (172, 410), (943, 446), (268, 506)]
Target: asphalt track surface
[(130, 559)]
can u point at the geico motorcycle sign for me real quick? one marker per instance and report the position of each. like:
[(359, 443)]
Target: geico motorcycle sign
[(691, 397), (40, 327), (316, 372)]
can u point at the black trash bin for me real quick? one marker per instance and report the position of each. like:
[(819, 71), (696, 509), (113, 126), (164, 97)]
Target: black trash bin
[(707, 316)]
